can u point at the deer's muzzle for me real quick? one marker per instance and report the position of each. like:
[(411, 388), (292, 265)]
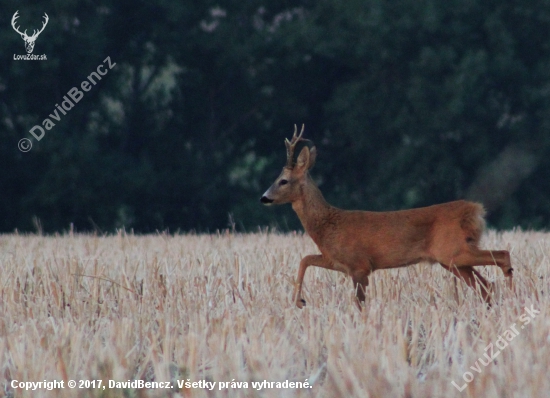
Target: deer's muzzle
[(265, 200)]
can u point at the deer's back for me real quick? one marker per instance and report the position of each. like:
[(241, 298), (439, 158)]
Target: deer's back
[(398, 238)]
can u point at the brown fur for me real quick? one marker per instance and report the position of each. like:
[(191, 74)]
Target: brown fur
[(360, 242)]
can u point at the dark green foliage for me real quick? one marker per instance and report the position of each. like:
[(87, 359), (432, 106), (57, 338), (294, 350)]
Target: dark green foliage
[(409, 102)]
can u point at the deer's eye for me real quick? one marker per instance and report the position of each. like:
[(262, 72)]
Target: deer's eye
[(283, 182)]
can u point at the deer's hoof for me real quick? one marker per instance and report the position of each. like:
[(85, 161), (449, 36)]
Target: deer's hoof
[(300, 303)]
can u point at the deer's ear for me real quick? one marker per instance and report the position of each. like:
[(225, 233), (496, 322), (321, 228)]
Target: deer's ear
[(312, 157), (302, 163)]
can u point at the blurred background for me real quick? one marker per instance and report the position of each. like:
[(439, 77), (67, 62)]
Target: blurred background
[(409, 102)]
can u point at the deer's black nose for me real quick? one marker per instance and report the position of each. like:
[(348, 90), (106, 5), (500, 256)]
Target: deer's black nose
[(266, 200)]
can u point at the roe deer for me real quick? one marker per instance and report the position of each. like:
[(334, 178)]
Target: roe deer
[(360, 242)]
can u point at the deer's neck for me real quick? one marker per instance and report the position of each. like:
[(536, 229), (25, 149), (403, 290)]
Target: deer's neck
[(313, 210)]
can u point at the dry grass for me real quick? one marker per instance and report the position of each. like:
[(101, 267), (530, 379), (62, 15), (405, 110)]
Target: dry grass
[(219, 307)]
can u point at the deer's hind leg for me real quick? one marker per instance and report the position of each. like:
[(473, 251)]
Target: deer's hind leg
[(472, 278), (468, 255), (475, 256)]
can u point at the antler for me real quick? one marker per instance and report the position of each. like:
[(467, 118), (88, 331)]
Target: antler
[(35, 33), (291, 145), (15, 16), (46, 19)]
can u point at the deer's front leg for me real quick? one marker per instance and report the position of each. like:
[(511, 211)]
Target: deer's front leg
[(313, 259), (360, 282)]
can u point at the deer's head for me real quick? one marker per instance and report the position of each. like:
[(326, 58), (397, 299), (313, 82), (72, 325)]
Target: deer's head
[(29, 40), (288, 186)]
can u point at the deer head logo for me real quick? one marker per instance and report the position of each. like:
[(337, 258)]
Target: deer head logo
[(29, 40)]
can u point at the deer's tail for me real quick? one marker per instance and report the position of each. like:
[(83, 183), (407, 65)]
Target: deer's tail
[(473, 222)]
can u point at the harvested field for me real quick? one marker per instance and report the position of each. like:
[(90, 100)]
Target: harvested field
[(213, 309)]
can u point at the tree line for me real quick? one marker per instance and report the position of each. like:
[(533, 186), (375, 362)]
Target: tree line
[(409, 102)]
